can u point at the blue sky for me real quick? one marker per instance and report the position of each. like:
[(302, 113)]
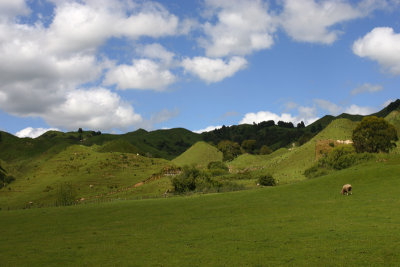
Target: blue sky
[(120, 65)]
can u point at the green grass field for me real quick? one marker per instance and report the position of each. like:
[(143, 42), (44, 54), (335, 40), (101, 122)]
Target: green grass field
[(302, 224), (200, 154)]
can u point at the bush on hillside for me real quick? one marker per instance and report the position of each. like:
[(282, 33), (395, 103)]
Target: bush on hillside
[(265, 150), (339, 158), (217, 168), (374, 135), (266, 180), (195, 180), (186, 181), (229, 149), (66, 195)]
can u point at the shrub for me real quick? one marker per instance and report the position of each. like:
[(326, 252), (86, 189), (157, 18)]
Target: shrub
[(339, 158), (186, 181), (66, 195), (217, 168), (266, 180), (265, 150)]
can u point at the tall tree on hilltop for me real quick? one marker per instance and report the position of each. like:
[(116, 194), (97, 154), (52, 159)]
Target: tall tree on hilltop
[(374, 135)]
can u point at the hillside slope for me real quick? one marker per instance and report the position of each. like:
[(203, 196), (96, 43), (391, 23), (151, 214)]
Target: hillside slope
[(92, 174), (288, 165), (302, 224), (200, 154)]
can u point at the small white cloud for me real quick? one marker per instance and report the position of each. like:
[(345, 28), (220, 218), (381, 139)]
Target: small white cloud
[(382, 44), (311, 21), (33, 132), (208, 129), (332, 108), (142, 74), (261, 116), (367, 88), (387, 102), (213, 70), (155, 51), (241, 28), (357, 110)]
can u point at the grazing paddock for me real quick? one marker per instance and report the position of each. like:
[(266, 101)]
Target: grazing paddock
[(303, 224)]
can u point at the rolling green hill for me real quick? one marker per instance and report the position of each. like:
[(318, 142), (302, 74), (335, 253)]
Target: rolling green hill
[(199, 154), (288, 165), (302, 224), (92, 174)]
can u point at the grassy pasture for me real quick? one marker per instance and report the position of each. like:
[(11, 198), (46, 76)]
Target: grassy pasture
[(200, 154), (288, 165), (81, 166), (301, 224)]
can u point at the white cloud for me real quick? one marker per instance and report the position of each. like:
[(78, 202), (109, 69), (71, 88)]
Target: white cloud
[(336, 109), (142, 74), (11, 8), (208, 129), (332, 108), (357, 110), (79, 27), (305, 114), (312, 21), (159, 117), (97, 108), (241, 28), (367, 88), (382, 44), (261, 116), (42, 66), (156, 51), (33, 132), (387, 102), (213, 70)]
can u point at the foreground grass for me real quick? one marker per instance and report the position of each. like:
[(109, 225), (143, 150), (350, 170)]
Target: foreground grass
[(303, 224)]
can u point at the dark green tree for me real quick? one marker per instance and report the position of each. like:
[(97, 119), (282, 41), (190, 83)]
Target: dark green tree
[(265, 150), (229, 149), (374, 135), (249, 145)]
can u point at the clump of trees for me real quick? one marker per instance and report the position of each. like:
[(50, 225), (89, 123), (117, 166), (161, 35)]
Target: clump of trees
[(374, 135), (341, 157), (229, 149), (4, 178), (194, 180)]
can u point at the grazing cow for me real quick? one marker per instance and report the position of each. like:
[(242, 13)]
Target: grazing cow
[(346, 189)]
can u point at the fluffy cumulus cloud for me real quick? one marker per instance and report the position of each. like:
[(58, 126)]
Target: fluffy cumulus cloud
[(367, 88), (9, 9), (312, 21), (213, 70), (33, 132), (142, 74), (97, 108), (42, 66), (382, 44), (241, 27)]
